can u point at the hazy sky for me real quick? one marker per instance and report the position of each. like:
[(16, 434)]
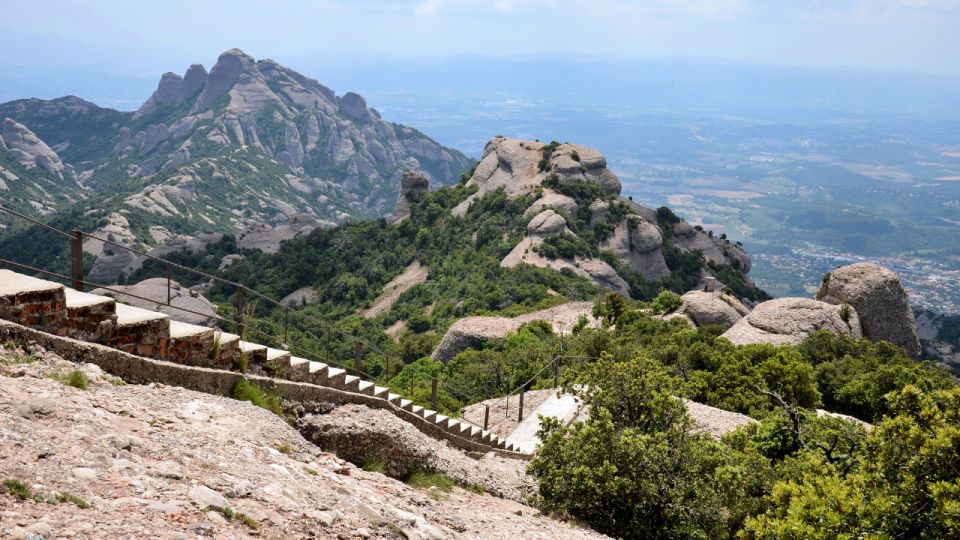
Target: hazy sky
[(896, 35)]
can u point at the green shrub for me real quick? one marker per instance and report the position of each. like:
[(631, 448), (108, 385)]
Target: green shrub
[(244, 390), (666, 302)]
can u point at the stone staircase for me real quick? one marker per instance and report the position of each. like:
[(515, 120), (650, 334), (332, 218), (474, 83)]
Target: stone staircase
[(55, 309)]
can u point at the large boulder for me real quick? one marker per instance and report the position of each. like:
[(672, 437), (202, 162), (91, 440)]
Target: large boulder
[(791, 320), (880, 300), (712, 308), (470, 332), (547, 222), (551, 199)]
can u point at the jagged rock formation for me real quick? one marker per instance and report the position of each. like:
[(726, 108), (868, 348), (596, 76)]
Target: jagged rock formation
[(514, 165), (880, 300), (251, 143), (791, 320), (634, 236), (705, 308), (637, 242), (412, 186), (714, 250), (937, 337), (292, 118), (470, 332), (30, 151)]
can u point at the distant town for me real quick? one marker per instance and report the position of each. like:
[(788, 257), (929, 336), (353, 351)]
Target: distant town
[(931, 285)]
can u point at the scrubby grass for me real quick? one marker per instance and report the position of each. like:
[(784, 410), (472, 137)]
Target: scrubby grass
[(285, 448), (242, 364), (78, 380), (71, 498), (18, 489), (22, 491), (230, 515), (430, 480), (245, 390), (216, 348), (374, 464)]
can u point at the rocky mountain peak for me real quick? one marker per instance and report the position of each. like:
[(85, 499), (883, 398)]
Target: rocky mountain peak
[(30, 151)]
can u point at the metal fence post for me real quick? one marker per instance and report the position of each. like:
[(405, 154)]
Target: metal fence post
[(76, 259), (556, 372), (286, 325), (357, 351), (486, 416), (433, 393), (523, 390), (168, 285), (240, 325)]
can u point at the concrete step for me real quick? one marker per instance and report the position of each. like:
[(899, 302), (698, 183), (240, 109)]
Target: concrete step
[(394, 398), (256, 353), (298, 370), (441, 419), (381, 391), (416, 409), (89, 316), (140, 331), (336, 377), (365, 388), (33, 302), (406, 404), (317, 373), (190, 344), (277, 362), (428, 414), (351, 383), (229, 350)]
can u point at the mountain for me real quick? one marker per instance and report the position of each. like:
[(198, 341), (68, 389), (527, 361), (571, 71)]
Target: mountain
[(249, 145)]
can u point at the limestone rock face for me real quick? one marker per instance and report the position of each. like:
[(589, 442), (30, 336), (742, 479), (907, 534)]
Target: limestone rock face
[(193, 81), (413, 184), (790, 320), (712, 308), (354, 106), (714, 250), (273, 110), (880, 300), (29, 150), (514, 166), (638, 242)]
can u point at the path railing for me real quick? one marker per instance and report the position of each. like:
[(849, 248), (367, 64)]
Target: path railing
[(244, 294)]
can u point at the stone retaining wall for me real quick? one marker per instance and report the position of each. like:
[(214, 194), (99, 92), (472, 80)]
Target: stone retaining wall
[(140, 370), (90, 323)]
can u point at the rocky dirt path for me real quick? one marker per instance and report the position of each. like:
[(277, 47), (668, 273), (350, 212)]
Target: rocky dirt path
[(153, 461)]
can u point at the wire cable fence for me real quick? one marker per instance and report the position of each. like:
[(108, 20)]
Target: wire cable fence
[(240, 323)]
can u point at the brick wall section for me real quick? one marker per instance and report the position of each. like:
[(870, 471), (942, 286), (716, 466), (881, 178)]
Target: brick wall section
[(149, 338), (229, 354), (139, 370), (42, 309), (91, 323), (191, 350)]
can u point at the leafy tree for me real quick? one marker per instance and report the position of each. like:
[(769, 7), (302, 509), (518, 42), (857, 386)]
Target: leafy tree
[(908, 484)]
